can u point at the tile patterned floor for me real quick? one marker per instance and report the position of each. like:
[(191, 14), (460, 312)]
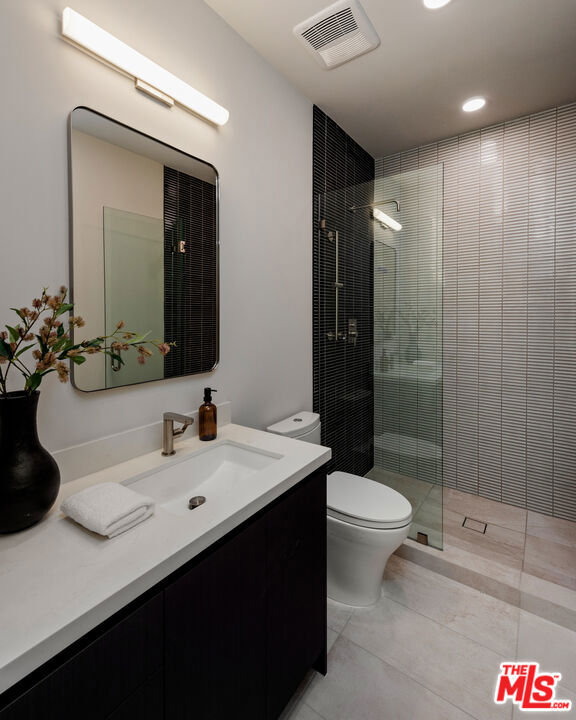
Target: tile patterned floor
[(429, 650)]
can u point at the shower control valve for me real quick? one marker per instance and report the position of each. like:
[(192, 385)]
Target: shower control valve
[(352, 331)]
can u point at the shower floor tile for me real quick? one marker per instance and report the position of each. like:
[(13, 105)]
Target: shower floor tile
[(488, 511), (549, 528), (498, 543)]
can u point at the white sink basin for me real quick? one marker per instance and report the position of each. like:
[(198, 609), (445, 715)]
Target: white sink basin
[(210, 473)]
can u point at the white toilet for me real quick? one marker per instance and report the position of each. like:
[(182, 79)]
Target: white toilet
[(367, 521)]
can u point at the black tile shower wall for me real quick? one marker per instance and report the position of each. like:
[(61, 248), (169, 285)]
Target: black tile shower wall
[(343, 372), (190, 277)]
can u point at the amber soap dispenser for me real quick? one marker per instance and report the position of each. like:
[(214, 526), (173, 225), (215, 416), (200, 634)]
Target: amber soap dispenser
[(207, 417)]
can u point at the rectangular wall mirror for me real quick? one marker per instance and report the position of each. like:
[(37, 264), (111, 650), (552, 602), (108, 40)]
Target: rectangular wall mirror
[(144, 239)]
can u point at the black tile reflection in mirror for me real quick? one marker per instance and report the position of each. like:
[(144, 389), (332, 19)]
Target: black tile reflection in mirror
[(190, 273)]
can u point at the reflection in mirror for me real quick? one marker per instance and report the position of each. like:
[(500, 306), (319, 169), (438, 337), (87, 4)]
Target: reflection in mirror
[(144, 249), (385, 289)]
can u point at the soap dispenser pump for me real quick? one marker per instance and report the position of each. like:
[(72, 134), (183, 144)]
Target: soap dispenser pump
[(207, 416)]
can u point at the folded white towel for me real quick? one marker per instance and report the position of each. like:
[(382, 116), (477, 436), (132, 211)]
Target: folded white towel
[(108, 509)]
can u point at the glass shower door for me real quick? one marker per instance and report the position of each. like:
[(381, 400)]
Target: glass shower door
[(134, 289), (408, 345), (378, 336)]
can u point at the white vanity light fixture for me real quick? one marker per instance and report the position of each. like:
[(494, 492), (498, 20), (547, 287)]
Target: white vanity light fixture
[(149, 77), (386, 220)]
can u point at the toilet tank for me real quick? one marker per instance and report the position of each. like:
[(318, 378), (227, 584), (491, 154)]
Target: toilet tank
[(302, 426)]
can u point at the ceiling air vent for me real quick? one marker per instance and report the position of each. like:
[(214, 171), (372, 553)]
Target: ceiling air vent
[(338, 33)]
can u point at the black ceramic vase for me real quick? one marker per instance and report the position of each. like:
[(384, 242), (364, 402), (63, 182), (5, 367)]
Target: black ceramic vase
[(29, 476)]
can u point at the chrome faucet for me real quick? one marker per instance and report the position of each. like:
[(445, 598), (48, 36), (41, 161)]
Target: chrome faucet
[(168, 432)]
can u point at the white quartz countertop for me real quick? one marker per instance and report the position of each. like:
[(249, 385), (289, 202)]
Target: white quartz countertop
[(59, 581)]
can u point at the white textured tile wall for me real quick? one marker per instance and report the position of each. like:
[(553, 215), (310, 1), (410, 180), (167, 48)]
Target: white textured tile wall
[(509, 330)]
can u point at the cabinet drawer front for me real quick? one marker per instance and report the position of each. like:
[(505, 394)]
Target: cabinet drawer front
[(95, 681)]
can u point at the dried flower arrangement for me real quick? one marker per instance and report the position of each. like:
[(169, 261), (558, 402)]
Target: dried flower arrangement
[(53, 344)]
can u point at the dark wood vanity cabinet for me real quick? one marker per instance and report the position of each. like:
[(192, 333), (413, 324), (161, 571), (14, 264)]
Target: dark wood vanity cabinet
[(296, 591), (215, 619), (229, 635), (94, 679), (245, 624)]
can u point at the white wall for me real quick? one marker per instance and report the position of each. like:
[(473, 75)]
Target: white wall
[(265, 164)]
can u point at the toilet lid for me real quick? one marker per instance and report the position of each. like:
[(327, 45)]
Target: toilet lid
[(361, 501), (296, 425)]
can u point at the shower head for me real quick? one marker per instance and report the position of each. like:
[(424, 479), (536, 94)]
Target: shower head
[(381, 217)]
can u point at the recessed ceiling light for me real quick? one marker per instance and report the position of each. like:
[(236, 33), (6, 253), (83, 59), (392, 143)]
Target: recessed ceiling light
[(435, 4), (474, 103)]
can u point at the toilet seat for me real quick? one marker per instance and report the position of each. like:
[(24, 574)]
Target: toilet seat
[(360, 501)]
